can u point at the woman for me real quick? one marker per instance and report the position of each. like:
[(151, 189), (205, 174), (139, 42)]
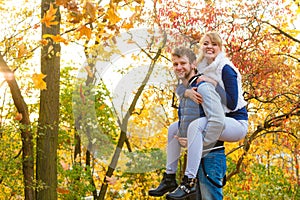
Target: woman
[(222, 73)]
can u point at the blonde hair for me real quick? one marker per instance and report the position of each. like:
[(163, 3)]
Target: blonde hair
[(214, 37)]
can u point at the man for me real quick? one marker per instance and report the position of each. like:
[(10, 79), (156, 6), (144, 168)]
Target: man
[(202, 125)]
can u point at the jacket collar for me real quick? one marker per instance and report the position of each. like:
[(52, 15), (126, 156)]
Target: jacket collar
[(194, 78)]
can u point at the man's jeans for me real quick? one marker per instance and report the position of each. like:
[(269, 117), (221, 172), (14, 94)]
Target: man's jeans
[(215, 166)]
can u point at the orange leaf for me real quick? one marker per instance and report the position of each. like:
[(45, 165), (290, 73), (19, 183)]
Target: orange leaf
[(44, 42), (22, 50), (63, 190), (61, 2), (56, 38), (75, 17), (90, 10), (36, 26), (112, 16), (38, 81), (101, 107), (19, 116), (127, 25), (83, 30), (49, 17)]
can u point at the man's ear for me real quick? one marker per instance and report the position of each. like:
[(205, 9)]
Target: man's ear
[(194, 65)]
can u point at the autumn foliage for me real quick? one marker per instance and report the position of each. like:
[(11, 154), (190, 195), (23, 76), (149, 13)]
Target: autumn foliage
[(260, 37)]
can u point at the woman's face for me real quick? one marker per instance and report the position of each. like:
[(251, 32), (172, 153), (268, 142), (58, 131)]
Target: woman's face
[(210, 49)]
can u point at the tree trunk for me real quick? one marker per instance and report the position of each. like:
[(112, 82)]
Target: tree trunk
[(49, 111), (26, 134)]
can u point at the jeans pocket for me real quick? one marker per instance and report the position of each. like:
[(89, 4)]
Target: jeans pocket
[(214, 168)]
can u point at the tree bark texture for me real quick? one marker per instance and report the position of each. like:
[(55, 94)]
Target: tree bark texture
[(26, 134), (49, 111)]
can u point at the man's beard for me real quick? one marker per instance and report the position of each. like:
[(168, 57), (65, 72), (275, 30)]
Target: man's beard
[(184, 75)]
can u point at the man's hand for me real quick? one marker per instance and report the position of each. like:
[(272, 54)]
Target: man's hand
[(182, 141), (193, 95)]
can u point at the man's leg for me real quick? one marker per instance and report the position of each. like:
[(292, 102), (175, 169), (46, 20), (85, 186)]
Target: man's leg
[(214, 164)]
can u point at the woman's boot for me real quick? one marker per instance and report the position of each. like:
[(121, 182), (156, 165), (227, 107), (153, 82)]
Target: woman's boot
[(168, 184), (186, 189)]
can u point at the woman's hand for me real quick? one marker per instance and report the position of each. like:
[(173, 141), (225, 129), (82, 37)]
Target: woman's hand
[(182, 141), (193, 95), (207, 79)]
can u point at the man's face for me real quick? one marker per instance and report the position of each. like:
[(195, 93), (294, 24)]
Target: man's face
[(182, 67)]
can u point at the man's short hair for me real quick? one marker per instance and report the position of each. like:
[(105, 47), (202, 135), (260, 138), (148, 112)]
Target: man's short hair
[(183, 51)]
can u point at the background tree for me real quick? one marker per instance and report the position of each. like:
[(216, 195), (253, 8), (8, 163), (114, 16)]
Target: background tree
[(26, 134), (14, 53), (47, 136), (95, 25)]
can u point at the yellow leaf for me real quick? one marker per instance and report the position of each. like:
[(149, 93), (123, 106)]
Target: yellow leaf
[(112, 16), (49, 17), (50, 48), (83, 30), (130, 41), (38, 81)]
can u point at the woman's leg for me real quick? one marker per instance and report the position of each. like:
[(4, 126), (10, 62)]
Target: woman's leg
[(195, 146), (173, 149), (235, 130)]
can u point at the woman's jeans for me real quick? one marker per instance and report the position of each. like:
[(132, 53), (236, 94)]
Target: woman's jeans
[(214, 164)]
